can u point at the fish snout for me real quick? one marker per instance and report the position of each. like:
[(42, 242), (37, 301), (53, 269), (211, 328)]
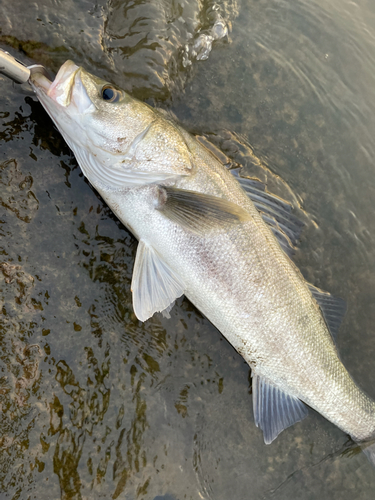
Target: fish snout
[(60, 88)]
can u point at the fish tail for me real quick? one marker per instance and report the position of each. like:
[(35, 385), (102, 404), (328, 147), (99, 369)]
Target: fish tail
[(368, 449)]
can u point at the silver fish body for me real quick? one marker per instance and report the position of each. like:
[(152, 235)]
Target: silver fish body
[(249, 289), (159, 181)]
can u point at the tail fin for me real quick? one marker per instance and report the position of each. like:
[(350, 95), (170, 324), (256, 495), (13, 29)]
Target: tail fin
[(368, 449)]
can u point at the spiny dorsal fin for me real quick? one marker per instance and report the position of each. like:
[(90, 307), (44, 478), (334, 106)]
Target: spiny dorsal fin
[(275, 212), (274, 409), (333, 309)]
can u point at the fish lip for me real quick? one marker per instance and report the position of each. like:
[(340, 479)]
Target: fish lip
[(61, 88), (67, 88), (39, 79), (56, 90)]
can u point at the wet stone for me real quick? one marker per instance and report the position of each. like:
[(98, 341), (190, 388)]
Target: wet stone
[(16, 194), (19, 285)]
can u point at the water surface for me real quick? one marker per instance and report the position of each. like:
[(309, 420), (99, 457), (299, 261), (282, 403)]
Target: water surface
[(94, 403)]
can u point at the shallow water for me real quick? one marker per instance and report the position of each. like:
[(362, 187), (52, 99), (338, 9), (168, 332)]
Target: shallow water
[(96, 404)]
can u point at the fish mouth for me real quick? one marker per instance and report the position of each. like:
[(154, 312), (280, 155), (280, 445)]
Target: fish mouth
[(60, 89), (67, 88), (40, 80)]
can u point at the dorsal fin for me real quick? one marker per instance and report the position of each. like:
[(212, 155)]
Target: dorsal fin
[(333, 309), (277, 213), (287, 228)]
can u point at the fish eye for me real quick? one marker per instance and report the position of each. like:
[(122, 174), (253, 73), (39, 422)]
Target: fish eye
[(110, 94)]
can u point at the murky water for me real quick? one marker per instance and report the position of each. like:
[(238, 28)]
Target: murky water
[(95, 404)]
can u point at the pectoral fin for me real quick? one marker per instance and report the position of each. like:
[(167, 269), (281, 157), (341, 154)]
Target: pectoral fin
[(198, 212), (154, 285), (274, 409)]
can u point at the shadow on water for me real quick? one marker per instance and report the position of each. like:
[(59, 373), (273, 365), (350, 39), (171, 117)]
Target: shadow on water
[(94, 403)]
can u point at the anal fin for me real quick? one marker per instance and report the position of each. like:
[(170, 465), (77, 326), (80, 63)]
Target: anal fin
[(155, 285), (274, 409)]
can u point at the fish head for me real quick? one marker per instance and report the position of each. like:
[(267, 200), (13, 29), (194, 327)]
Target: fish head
[(117, 140)]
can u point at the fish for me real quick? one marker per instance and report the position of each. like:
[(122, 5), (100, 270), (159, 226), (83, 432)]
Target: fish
[(205, 232)]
